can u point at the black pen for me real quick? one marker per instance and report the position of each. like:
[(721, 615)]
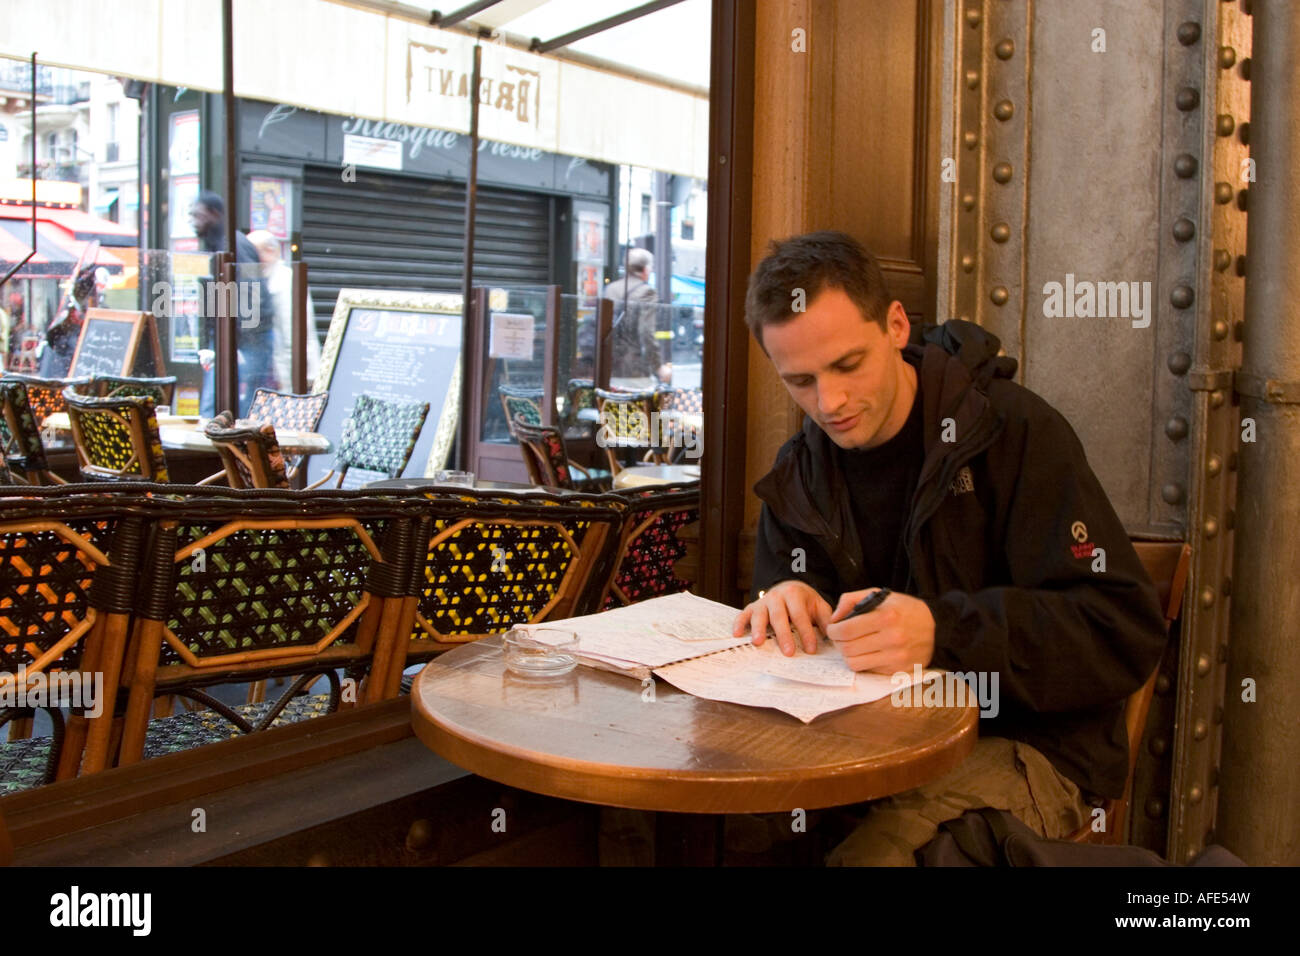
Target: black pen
[(869, 603)]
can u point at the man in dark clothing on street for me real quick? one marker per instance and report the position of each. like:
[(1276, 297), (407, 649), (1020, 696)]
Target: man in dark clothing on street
[(252, 297), (923, 469), (635, 357)]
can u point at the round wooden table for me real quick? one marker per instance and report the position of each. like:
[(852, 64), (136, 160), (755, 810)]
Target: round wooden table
[(594, 736)]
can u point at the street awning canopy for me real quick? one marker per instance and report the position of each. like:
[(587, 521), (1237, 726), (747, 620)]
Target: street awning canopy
[(379, 61), (61, 237)]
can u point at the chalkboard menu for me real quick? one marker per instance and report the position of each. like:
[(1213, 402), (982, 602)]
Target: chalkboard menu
[(109, 343), (400, 346)]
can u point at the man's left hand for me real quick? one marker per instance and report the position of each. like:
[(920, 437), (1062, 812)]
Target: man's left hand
[(892, 638)]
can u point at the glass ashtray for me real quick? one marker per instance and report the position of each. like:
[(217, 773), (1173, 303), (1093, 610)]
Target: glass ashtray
[(541, 652)]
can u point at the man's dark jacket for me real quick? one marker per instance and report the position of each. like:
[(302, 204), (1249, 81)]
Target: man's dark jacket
[(1000, 543)]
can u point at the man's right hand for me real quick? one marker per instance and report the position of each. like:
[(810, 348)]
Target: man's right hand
[(783, 606)]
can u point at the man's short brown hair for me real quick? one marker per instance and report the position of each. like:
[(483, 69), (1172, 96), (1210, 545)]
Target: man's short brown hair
[(813, 263)]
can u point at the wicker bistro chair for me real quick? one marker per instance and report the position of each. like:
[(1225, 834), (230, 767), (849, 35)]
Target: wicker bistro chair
[(68, 570), (161, 389), (485, 562), (580, 413), (20, 436), (549, 464), (674, 403), (289, 412), (117, 438), (648, 547), (520, 402), (243, 585), (379, 436), (625, 422), (45, 395), (249, 451)]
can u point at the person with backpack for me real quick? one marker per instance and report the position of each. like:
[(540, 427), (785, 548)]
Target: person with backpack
[(635, 358), (921, 468)]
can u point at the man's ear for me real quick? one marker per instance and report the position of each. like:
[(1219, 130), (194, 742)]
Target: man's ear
[(898, 326)]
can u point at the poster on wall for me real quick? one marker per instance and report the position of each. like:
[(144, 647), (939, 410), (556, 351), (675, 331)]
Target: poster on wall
[(268, 205), (589, 238), (183, 149)]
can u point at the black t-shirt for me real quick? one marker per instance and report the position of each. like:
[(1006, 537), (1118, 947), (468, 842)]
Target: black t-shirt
[(881, 482)]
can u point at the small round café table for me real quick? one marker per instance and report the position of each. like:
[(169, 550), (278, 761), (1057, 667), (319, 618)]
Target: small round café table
[(604, 738)]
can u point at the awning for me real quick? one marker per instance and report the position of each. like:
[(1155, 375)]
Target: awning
[(57, 249), (78, 224)]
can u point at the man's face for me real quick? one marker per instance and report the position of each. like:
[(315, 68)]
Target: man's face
[(843, 371), (202, 218)]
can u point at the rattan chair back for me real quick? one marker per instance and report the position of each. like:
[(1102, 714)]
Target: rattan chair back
[(20, 436), (518, 401), (544, 455), (648, 545), (249, 451), (45, 395), (289, 412), (161, 389), (117, 438)]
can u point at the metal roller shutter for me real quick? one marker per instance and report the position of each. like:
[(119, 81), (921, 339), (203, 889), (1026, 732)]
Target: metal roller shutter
[(399, 232)]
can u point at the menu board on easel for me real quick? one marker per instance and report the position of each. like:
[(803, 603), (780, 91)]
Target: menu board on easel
[(110, 343)]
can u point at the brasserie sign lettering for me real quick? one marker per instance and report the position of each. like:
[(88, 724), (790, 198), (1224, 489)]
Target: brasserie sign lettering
[(432, 71)]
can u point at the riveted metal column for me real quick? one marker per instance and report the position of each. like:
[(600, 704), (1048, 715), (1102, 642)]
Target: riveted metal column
[(985, 261), (1261, 775)]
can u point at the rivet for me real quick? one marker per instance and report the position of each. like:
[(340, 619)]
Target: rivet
[(968, 201), (1004, 110), (1162, 684), (1182, 296), (1207, 598), (1155, 808), (1241, 266), (1200, 729), (1185, 165), (1184, 229), (1214, 465), (1191, 853), (1219, 330), (1216, 398), (1243, 199), (1187, 98), (971, 139), (1243, 132), (1002, 173), (1172, 493), (1221, 260), (1227, 57), (1194, 794), (1179, 363), (1202, 668), (1189, 32), (1224, 125), (967, 262), (1210, 527), (972, 79), (999, 295), (419, 835), (1005, 49), (1232, 461), (1158, 746), (973, 16), (1244, 69), (1176, 428), (1222, 193), (1000, 232)]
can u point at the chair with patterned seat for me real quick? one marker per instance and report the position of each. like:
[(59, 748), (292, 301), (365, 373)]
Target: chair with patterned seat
[(379, 435), (289, 412), (45, 395), (117, 438), (549, 464), (161, 389), (680, 412), (580, 413), (240, 588), (249, 451), (20, 436), (625, 423), (486, 561), (520, 402), (648, 548), (68, 569)]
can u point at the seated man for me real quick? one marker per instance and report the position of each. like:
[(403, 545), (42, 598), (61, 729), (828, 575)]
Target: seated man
[(923, 469)]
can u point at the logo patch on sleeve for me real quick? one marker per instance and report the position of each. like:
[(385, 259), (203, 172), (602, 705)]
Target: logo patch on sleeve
[(963, 482), (1083, 548)]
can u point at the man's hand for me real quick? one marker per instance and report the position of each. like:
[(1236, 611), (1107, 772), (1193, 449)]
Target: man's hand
[(785, 605), (892, 638)]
